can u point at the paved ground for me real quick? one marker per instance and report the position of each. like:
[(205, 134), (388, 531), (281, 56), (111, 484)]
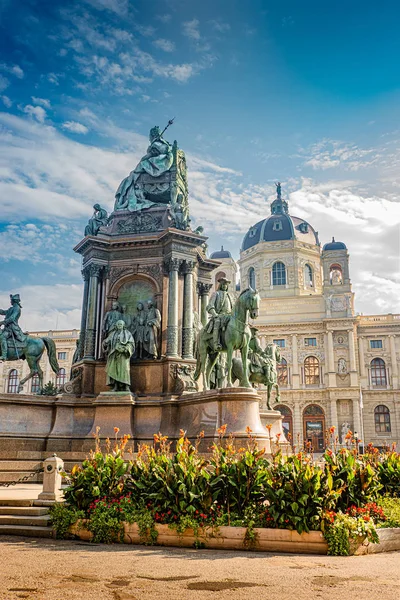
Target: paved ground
[(61, 570), (22, 491)]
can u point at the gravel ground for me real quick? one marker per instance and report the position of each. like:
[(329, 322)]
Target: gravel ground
[(59, 570)]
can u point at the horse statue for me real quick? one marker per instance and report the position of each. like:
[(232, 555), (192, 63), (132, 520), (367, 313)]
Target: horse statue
[(32, 350), (236, 336), (268, 377)]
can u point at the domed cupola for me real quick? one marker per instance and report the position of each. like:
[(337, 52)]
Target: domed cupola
[(280, 226), (333, 245), (221, 254)]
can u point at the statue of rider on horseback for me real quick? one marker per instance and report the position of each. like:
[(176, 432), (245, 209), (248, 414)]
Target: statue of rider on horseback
[(11, 332), (15, 344)]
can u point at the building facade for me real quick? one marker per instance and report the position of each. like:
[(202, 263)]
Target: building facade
[(338, 368), (11, 373)]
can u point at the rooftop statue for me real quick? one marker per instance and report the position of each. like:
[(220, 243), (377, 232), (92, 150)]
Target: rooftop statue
[(99, 219), (15, 344), (156, 178)]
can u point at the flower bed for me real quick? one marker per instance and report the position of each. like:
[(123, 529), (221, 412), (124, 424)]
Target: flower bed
[(233, 499)]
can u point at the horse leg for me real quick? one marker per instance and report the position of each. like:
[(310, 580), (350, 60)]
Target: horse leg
[(210, 366), (33, 370), (269, 389), (229, 353), (245, 380), (278, 394)]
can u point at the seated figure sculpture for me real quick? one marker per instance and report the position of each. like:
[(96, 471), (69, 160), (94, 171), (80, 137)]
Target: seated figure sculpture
[(99, 219)]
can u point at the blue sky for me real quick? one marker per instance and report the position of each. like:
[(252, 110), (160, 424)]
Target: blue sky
[(304, 92)]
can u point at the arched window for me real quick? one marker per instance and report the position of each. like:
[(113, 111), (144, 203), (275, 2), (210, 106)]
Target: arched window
[(287, 421), (282, 372), (382, 419), (13, 383), (35, 385), (311, 370), (308, 276), (279, 274), (61, 378), (378, 372), (252, 278)]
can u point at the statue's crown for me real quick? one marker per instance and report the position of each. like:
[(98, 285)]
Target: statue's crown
[(154, 131)]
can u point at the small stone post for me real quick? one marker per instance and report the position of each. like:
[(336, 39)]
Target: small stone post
[(52, 479)]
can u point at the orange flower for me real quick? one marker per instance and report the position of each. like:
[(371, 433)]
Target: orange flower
[(278, 435), (222, 430), (116, 430), (248, 430), (269, 427), (332, 429), (201, 434), (182, 433)]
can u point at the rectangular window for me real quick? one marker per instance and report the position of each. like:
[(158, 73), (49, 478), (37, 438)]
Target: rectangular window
[(280, 343), (376, 343), (62, 356), (310, 341)]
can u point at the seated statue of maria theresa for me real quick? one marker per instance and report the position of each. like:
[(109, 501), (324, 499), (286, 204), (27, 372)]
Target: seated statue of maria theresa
[(159, 177)]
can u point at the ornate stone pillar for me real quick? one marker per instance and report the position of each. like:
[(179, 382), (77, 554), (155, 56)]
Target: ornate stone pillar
[(334, 417), (331, 360), (295, 364), (85, 275), (173, 316), (297, 426), (90, 328), (187, 334), (352, 353), (393, 359), (356, 417), (203, 290), (363, 372)]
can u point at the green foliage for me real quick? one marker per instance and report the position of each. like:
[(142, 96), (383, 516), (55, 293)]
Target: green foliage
[(354, 477), (298, 491), (49, 389), (101, 475), (391, 508), (106, 521), (62, 517), (346, 533), (164, 482), (388, 467)]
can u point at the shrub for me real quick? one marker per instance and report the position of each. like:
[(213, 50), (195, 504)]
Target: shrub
[(346, 532), (62, 517), (391, 509), (101, 475), (298, 492), (354, 477)]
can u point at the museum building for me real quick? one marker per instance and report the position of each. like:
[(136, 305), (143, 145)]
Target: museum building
[(338, 368)]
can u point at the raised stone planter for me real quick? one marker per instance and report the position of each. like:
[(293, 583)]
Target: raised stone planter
[(389, 540), (226, 538)]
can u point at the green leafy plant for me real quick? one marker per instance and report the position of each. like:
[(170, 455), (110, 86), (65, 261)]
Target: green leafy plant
[(49, 389), (345, 533), (391, 509), (102, 475), (62, 517)]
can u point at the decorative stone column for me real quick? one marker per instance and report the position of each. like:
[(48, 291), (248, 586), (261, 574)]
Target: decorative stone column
[(173, 316), (295, 364), (356, 417), (203, 290), (393, 359), (331, 360), (352, 352), (297, 425), (187, 334), (90, 328), (363, 372), (85, 275), (334, 417)]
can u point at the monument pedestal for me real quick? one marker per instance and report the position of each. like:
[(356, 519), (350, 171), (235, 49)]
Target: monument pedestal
[(113, 409)]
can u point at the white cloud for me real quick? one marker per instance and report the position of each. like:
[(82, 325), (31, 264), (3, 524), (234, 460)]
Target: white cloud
[(6, 101), (165, 45), (35, 111), (191, 29), (164, 18), (47, 307), (146, 31), (120, 7), (41, 101), (13, 70), (4, 83), (75, 127), (220, 26), (54, 78)]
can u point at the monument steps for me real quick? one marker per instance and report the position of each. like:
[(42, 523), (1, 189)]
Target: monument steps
[(19, 517), (26, 531)]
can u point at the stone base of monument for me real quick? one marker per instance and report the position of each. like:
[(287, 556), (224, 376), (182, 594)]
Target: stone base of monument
[(33, 427)]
